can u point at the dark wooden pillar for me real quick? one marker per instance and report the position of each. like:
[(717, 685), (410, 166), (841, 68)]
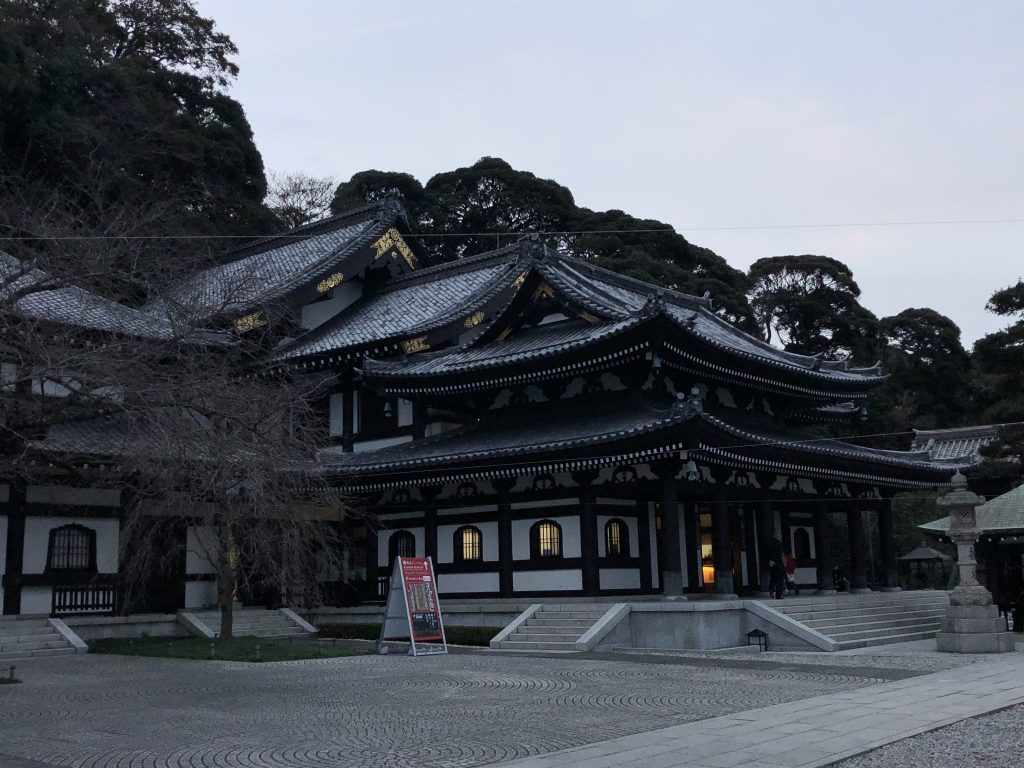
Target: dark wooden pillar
[(430, 494), (503, 486), (671, 565), (347, 411), (823, 548), (588, 533), (858, 554), (721, 545), (691, 540), (643, 535), (887, 547), (750, 544), (15, 552), (372, 568), (419, 419), (765, 528)]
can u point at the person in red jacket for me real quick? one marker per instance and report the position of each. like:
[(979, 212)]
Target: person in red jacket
[(791, 574)]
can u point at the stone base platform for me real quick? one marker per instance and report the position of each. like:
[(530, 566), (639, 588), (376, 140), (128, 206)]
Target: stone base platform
[(973, 624)]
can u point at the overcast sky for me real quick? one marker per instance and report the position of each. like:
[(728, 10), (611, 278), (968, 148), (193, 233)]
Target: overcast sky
[(703, 115)]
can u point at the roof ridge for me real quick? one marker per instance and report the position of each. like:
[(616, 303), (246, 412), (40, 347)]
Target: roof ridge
[(456, 266)]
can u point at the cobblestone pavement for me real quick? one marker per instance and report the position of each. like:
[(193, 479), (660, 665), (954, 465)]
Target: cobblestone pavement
[(393, 711)]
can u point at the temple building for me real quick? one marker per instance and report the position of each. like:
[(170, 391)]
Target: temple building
[(538, 426)]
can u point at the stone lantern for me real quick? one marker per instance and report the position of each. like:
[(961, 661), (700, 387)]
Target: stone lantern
[(972, 623)]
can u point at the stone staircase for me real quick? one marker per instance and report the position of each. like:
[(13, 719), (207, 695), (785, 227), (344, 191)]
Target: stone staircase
[(252, 622), (858, 621), (552, 628), (31, 639)]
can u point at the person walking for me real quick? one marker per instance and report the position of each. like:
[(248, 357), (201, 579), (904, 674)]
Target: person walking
[(776, 565)]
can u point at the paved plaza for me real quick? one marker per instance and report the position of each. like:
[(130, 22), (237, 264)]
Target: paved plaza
[(470, 709)]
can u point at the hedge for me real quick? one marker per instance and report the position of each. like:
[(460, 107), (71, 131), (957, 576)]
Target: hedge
[(480, 636)]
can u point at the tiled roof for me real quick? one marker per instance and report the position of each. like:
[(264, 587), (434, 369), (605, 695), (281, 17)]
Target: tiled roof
[(956, 443), (73, 306), (565, 425), (107, 437), (271, 268), (406, 306), (1002, 514), (536, 343)]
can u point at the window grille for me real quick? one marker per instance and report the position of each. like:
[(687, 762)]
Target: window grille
[(401, 544), (468, 544), (801, 544), (616, 539), (546, 539), (72, 548)]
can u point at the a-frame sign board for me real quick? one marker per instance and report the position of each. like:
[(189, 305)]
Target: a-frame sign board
[(413, 613)]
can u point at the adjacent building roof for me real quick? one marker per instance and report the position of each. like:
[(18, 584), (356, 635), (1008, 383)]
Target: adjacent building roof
[(37, 296), (1003, 514), (955, 443), (269, 269)]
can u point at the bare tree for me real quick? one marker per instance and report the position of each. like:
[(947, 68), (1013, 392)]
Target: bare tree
[(173, 413), (299, 198)]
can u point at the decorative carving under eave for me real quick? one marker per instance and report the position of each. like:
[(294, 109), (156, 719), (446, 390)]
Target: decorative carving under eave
[(474, 320), (249, 322), (329, 282), (415, 345)]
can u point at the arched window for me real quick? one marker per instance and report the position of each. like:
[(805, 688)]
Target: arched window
[(468, 544), (401, 544), (71, 548), (801, 544), (616, 539), (546, 539)]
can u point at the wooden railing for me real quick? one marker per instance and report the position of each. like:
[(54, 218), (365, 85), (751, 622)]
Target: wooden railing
[(91, 598)]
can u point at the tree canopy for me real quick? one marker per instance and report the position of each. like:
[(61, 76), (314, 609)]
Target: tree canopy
[(121, 102)]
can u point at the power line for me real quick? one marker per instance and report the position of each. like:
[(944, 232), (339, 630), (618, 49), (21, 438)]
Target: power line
[(523, 233)]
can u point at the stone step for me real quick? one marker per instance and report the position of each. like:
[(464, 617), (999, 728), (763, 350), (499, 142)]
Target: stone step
[(847, 645), (866, 601), (520, 645), (23, 628), (873, 618), (284, 632), (588, 616), (828, 613), (871, 634), (55, 641), (5, 656), (598, 608), (542, 622), (546, 636)]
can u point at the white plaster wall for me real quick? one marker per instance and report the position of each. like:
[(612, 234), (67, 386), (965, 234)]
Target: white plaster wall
[(383, 537), (37, 539), (200, 594), (36, 600), (547, 581), (372, 445), (619, 578), (199, 549), (336, 414), (404, 412), (437, 427), (3, 555), (570, 536), (806, 575), (466, 510), (322, 311), (634, 543), (446, 542), (544, 504), (53, 494), (468, 582)]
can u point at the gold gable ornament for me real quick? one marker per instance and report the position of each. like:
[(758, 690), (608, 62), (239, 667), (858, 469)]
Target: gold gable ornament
[(474, 320), (392, 244)]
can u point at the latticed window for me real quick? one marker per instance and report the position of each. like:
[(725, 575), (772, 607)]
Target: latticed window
[(546, 539), (801, 544), (616, 538), (72, 548), (468, 544), (401, 544)]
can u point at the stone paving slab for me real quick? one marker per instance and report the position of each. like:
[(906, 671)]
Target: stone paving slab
[(98, 711), (816, 731)]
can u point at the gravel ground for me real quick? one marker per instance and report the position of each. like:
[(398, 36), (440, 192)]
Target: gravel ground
[(989, 740)]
